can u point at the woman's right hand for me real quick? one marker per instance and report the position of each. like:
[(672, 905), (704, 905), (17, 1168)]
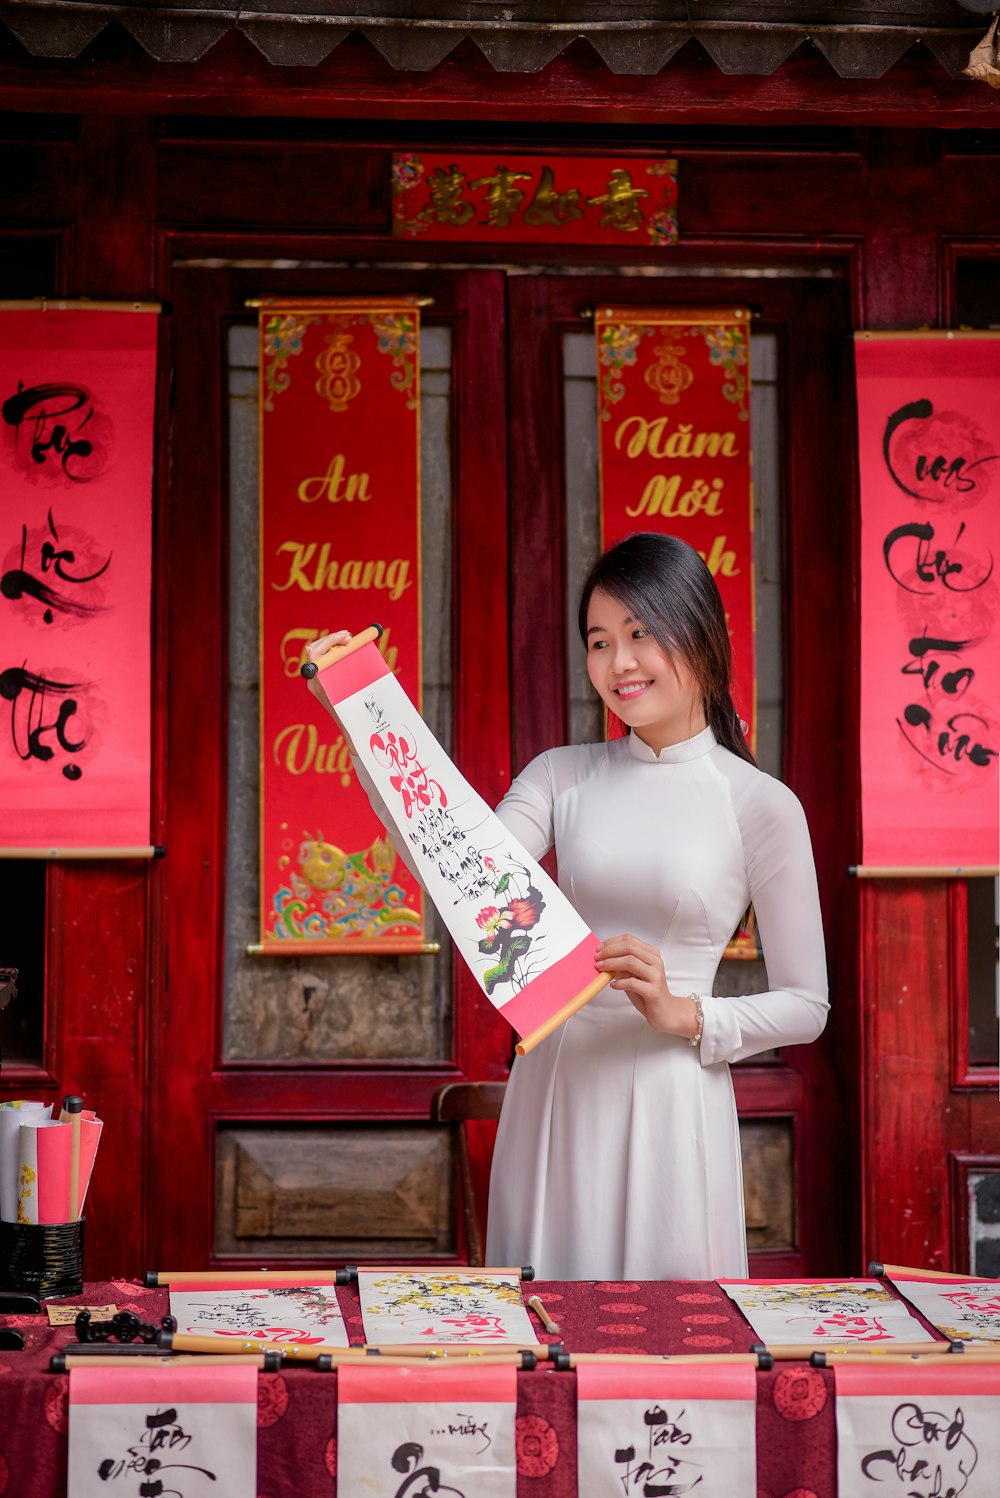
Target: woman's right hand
[(315, 652)]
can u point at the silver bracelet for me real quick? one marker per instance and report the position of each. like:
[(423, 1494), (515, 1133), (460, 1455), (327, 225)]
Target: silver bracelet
[(699, 1020)]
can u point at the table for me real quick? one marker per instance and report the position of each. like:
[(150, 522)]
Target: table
[(297, 1408)]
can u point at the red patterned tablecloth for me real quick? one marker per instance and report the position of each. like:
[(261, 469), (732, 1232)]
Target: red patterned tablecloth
[(297, 1408)]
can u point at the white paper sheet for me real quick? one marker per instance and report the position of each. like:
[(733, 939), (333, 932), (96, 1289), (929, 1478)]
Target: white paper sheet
[(306, 1314), (449, 1306), (12, 1116), (419, 1431), (666, 1430), (188, 1431), (785, 1312), (962, 1310)]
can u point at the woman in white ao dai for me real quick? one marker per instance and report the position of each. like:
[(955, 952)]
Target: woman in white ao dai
[(618, 1154)]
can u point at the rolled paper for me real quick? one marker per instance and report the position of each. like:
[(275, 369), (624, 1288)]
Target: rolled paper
[(12, 1115)]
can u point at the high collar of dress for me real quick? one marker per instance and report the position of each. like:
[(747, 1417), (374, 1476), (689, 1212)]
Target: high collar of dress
[(702, 743)]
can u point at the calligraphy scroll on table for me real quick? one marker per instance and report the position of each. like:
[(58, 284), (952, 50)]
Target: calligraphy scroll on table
[(77, 391), (918, 1429), (533, 199), (929, 459), (666, 1429), (412, 1431), (527, 948), (188, 1430), (674, 402), (339, 537)]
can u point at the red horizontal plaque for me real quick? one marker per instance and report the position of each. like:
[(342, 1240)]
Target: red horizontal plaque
[(504, 199)]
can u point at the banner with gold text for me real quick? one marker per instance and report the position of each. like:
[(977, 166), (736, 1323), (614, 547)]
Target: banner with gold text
[(674, 402), (77, 397), (929, 461), (533, 199), (339, 544)]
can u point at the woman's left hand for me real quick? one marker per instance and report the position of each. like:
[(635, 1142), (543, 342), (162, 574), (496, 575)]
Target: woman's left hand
[(637, 969)]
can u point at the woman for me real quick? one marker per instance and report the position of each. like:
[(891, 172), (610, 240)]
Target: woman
[(617, 1154)]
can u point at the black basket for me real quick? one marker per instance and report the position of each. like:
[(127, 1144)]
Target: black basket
[(43, 1259)]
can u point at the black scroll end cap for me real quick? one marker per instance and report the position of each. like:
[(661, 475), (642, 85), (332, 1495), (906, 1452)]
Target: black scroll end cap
[(165, 1341), (57, 1362), (957, 1345), (563, 1363), (322, 1364), (876, 1270), (381, 631), (351, 1270), (528, 1361), (152, 1279), (758, 1347), (309, 670), (765, 1361), (817, 1360), (343, 1277), (272, 1361), (73, 1104), (527, 1273)]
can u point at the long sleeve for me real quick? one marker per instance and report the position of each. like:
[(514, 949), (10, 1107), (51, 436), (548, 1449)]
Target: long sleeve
[(782, 881)]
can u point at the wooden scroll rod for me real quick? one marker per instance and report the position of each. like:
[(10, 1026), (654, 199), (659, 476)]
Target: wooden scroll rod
[(153, 850), (935, 871), (344, 1357), (525, 1272), (335, 303), (56, 304), (237, 1279), (889, 1271), (870, 335), (565, 1361), (124, 1357), (875, 1352), (913, 1360)]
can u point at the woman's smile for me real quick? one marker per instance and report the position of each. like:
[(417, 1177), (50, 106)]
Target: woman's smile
[(654, 694)]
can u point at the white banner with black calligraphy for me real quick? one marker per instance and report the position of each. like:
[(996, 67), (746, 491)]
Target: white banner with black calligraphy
[(307, 1314), (918, 1432), (962, 1310), (407, 1431), (189, 1431), (666, 1429)]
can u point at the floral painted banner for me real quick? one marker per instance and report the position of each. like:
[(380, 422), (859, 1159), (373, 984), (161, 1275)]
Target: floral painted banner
[(963, 1310), (674, 401), (307, 1314), (403, 1307), (531, 199), (918, 1431), (525, 945), (821, 1312), (77, 394), (339, 542), (929, 459)]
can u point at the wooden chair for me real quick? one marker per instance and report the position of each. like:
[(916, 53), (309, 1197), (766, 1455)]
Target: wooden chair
[(456, 1104)]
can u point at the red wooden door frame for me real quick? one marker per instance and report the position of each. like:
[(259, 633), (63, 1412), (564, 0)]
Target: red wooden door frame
[(812, 319), (192, 1088)]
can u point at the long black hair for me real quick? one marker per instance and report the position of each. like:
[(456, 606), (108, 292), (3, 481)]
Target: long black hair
[(664, 584)]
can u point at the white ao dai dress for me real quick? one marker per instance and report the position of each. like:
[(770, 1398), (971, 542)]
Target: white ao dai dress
[(618, 1153)]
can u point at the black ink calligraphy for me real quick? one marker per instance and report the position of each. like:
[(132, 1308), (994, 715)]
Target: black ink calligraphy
[(26, 692), (932, 1454), (23, 582), (664, 1472), (56, 433), (162, 1433), (907, 442)]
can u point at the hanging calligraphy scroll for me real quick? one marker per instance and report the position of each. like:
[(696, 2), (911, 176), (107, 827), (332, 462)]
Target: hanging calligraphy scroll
[(929, 459), (339, 535), (674, 401), (77, 390), (526, 946), (505, 199)]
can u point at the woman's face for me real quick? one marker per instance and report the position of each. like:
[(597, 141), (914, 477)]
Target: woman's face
[(651, 693)]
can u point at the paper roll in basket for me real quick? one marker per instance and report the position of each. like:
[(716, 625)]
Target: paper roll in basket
[(529, 950), (42, 1259)]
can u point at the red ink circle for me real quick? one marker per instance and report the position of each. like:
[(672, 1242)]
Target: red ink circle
[(56, 1406), (698, 1298), (609, 1287), (621, 1329), (704, 1320), (704, 1340), (799, 1393), (330, 1456), (272, 1399), (537, 1446), (625, 1307)]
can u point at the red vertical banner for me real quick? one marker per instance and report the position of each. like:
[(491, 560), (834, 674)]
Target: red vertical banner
[(929, 462), (339, 548), (674, 403), (77, 396)]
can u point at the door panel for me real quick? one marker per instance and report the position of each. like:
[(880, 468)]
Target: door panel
[(304, 1131)]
